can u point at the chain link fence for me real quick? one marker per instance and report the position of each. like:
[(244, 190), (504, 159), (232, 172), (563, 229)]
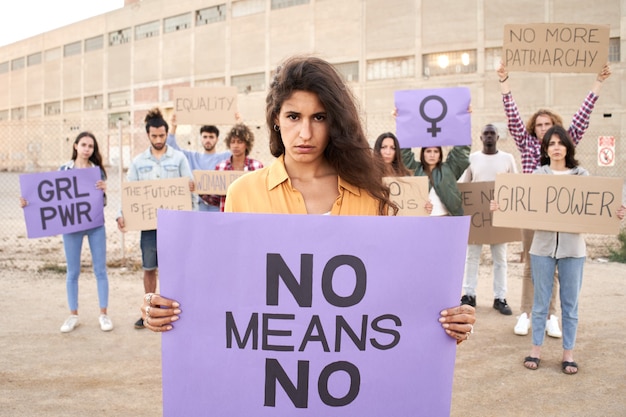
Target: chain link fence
[(44, 145)]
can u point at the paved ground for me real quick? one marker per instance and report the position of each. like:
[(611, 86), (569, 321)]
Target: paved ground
[(88, 372)]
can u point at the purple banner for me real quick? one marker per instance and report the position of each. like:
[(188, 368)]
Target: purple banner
[(62, 201), (288, 315), (436, 117)]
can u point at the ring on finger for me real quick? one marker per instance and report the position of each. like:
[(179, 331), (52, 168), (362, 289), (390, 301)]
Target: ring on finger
[(148, 311), (148, 298), (147, 321)]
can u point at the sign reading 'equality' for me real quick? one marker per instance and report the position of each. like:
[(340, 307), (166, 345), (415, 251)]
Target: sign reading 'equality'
[(62, 202), (330, 317)]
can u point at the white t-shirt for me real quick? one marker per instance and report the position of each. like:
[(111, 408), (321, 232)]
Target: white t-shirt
[(484, 167)]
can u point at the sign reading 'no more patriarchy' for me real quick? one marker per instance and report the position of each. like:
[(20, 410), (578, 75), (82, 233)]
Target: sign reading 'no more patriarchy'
[(555, 47), (329, 316)]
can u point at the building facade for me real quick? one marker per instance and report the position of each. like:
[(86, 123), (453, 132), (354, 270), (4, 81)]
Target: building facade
[(104, 73)]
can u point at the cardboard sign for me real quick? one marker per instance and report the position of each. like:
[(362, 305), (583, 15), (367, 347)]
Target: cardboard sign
[(435, 117), (476, 197), (205, 105), (321, 320), (141, 199), (560, 203), (409, 193), (214, 182), (606, 151), (62, 202), (556, 47)]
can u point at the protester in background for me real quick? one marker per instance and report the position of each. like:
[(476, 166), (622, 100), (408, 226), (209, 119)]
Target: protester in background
[(202, 161), (324, 165), (557, 250), (444, 193), (388, 148), (159, 161), (484, 166), (240, 141), (86, 154), (528, 141)]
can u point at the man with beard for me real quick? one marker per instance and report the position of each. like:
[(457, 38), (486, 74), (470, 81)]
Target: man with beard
[(203, 161), (484, 165), (159, 161)]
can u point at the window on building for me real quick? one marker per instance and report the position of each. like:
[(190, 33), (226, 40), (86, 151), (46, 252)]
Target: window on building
[(175, 23), (123, 117), (447, 63), (95, 43), (281, 4), (33, 111), (390, 68), (211, 15), (349, 70), (119, 37), (4, 67), (4, 115), (211, 82), (93, 102), (17, 64), (51, 109), (249, 83), (247, 7), (147, 30), (17, 113), (52, 54), (614, 50), (119, 99), (493, 57), (73, 48), (33, 59)]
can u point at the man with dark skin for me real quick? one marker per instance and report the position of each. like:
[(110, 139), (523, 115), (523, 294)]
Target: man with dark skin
[(484, 166)]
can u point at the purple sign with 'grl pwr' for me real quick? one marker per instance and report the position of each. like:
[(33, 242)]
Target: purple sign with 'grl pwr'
[(435, 117), (296, 315), (62, 202)]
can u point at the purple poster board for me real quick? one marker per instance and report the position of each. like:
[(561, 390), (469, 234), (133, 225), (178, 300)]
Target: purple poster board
[(361, 338), (435, 117), (62, 201)]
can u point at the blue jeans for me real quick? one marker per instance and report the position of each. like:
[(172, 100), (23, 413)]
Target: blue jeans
[(570, 283), (73, 244)]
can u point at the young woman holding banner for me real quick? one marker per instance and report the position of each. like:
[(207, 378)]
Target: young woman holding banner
[(550, 251), (528, 141), (324, 165), (85, 154)]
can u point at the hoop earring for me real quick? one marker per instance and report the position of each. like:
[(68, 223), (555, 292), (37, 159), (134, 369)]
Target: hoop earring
[(276, 128)]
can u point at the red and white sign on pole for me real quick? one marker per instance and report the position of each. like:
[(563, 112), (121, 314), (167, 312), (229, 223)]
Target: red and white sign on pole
[(606, 151)]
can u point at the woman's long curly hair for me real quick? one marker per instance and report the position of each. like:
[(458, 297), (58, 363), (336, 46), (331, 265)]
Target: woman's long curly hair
[(348, 150)]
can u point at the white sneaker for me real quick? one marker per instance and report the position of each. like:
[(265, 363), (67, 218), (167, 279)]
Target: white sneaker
[(522, 326), (70, 324), (552, 326), (106, 325)]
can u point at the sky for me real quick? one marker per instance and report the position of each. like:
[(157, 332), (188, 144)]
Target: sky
[(25, 18)]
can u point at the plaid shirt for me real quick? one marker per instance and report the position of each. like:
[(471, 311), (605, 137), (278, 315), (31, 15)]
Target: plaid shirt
[(528, 144), (248, 165)]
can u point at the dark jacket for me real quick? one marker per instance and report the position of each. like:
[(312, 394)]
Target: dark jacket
[(444, 177)]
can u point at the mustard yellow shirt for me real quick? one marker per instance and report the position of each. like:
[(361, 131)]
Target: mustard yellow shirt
[(269, 190)]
